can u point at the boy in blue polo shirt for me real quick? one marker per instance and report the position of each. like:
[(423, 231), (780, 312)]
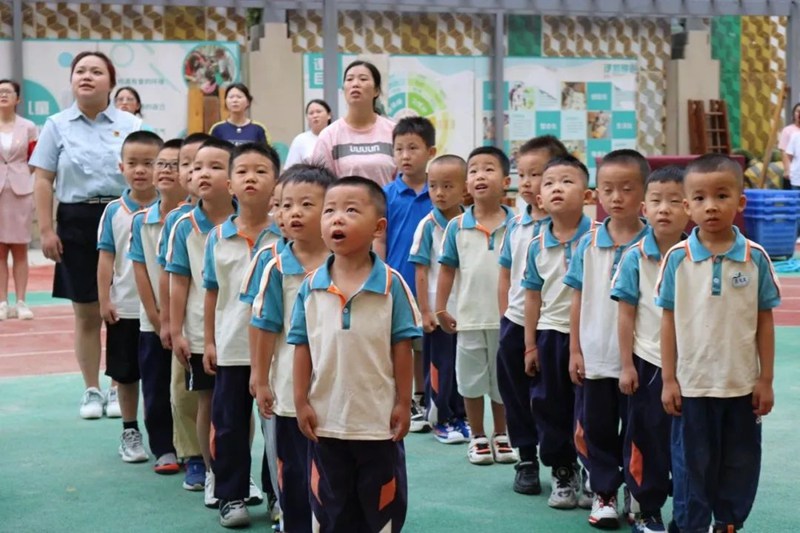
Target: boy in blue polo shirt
[(352, 326), (408, 202), (646, 440), (116, 285), (717, 290), (594, 363)]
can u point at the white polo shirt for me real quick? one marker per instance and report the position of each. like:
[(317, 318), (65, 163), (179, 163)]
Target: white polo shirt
[(513, 254), (272, 311), (252, 278), (145, 234), (227, 258), (547, 261), (425, 248), (716, 300), (591, 270), (169, 223), (352, 387), (114, 236), (473, 251)]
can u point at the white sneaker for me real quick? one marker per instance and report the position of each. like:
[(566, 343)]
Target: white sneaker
[(92, 404), (479, 451), (208, 499), (112, 403), (234, 513), (502, 450), (23, 311), (419, 424), (583, 489), (130, 447), (255, 497), (604, 513), (3, 310), (562, 489)]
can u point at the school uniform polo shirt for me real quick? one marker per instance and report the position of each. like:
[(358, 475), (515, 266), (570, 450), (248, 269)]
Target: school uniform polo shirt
[(513, 254), (145, 234), (166, 231), (425, 248), (716, 301), (114, 236), (635, 284), (226, 260), (185, 258), (547, 260), (404, 211), (272, 311), (352, 384), (252, 278), (473, 251), (590, 271)]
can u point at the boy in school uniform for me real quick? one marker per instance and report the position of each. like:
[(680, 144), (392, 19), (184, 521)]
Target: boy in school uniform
[(354, 404), (184, 403), (155, 361), (187, 296), (646, 441), (116, 286), (447, 177), (253, 172), (272, 358), (717, 387), (513, 383), (594, 363), (469, 258), (407, 203), (564, 191)]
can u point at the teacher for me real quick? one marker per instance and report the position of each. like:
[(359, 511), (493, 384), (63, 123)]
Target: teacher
[(79, 150)]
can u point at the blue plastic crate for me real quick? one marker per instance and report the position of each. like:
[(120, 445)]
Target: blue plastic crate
[(771, 201), (776, 233)]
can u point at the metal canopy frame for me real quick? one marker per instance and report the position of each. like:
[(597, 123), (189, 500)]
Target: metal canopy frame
[(498, 8)]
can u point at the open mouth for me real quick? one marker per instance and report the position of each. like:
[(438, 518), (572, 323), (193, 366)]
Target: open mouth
[(296, 224), (481, 187), (337, 235)]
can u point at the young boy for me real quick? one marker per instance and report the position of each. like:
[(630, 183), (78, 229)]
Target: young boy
[(272, 358), (407, 203), (594, 363), (185, 266), (514, 384), (119, 302), (447, 177), (155, 360), (253, 172), (352, 327), (469, 258), (184, 403), (717, 291), (646, 440), (564, 191)]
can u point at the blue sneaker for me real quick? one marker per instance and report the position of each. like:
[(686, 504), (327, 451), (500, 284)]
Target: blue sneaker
[(462, 427), (195, 479), (447, 434), (648, 523)]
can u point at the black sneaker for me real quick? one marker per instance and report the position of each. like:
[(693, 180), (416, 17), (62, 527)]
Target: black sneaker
[(527, 479)]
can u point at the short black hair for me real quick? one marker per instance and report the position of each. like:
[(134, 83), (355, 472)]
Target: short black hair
[(628, 157), (13, 83), (142, 137), (258, 148), (375, 191), (195, 138), (495, 152), (219, 144), (242, 88), (549, 143), (451, 159), (172, 143), (706, 164), (667, 174), (419, 126), (304, 173), (568, 160)]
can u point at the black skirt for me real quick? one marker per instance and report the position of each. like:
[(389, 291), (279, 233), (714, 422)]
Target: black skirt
[(76, 275)]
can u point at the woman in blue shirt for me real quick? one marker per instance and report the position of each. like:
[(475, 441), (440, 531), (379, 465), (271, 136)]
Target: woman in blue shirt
[(79, 150), (238, 128)]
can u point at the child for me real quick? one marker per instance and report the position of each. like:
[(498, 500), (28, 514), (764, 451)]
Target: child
[(514, 384), (646, 440), (119, 302), (446, 182), (185, 266), (564, 190), (594, 363), (469, 258), (272, 359), (155, 360), (253, 171), (352, 327), (717, 290), (184, 403), (407, 203)]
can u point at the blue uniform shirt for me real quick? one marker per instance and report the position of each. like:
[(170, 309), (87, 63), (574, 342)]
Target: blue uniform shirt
[(404, 210), (253, 132)]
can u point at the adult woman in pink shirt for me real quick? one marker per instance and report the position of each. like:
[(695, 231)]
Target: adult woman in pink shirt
[(360, 143), (786, 136)]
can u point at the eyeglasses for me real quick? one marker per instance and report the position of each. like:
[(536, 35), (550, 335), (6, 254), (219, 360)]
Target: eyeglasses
[(7, 92), (125, 100), (164, 165)]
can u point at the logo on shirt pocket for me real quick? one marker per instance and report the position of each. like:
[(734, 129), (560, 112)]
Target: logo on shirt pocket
[(739, 280)]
